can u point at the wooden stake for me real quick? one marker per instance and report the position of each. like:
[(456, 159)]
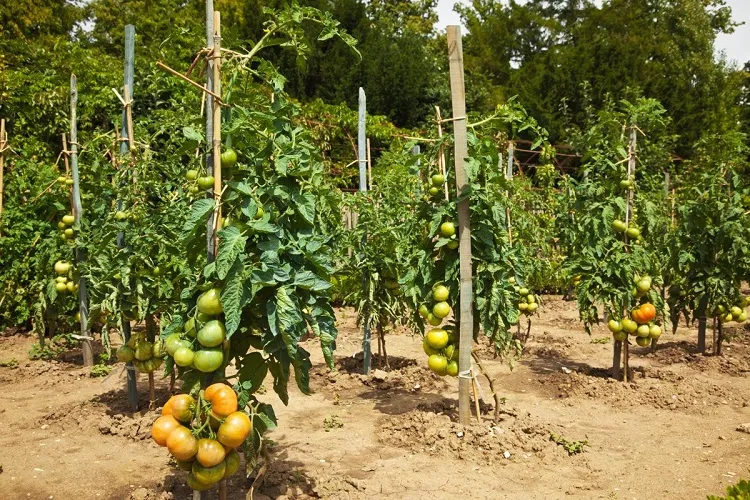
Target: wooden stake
[(88, 349), (126, 142), (628, 215), (362, 161), (3, 143), (441, 151), (466, 328), (369, 163), (509, 176), (476, 397)]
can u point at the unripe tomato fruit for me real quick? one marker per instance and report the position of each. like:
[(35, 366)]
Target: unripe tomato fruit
[(125, 354), (208, 475), (62, 267), (437, 364), (68, 219), (209, 302), (433, 320), (447, 229), (614, 326), (222, 398), (162, 428), (438, 180), (191, 174), (633, 233), (619, 226), (440, 293), (206, 182), (232, 462), (424, 311), (185, 464), (143, 350), (212, 334), (643, 331), (184, 356), (643, 341), (182, 444), (452, 245), (235, 429), (433, 191), (209, 359), (452, 369), (228, 158), (654, 331), (194, 483), (63, 287), (437, 338), (210, 452), (429, 350), (441, 309)]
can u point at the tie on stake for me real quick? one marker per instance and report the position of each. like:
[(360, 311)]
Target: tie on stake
[(476, 389)]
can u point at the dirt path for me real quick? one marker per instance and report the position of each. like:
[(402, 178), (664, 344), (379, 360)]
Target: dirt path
[(671, 433)]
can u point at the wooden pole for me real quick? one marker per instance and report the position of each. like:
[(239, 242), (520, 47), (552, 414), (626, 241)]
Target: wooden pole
[(362, 160), (369, 163), (441, 152), (209, 107), (466, 327), (88, 349), (3, 144), (126, 136), (216, 154), (628, 216)]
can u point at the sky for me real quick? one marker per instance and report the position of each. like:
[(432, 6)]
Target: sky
[(733, 45)]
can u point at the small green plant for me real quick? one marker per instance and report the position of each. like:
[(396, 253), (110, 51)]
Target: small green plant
[(601, 340), (52, 348), (739, 491), (101, 369), (11, 363), (572, 447), (332, 422)]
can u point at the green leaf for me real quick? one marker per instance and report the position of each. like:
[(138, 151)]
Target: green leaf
[(199, 212), (252, 371), (231, 244)]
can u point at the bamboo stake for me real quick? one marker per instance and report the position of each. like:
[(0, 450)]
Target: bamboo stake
[(88, 349), (441, 151), (458, 99), (207, 104), (476, 398), (216, 56), (217, 191), (179, 75)]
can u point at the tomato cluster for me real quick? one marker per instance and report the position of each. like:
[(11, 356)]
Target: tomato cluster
[(527, 300), (146, 356), (641, 322), (735, 313), (202, 435), (65, 280), (200, 342), (67, 233), (436, 183), (440, 344)]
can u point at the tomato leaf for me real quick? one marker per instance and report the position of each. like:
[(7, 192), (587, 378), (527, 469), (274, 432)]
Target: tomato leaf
[(231, 244)]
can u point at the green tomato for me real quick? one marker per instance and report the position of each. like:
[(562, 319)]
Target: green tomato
[(440, 293), (438, 180), (452, 368), (619, 226), (206, 182), (191, 174), (125, 354), (447, 229), (120, 215), (143, 350), (212, 334), (452, 245), (441, 310), (209, 302), (208, 475), (68, 219), (633, 233), (184, 356), (208, 360), (228, 158), (424, 311), (438, 364)]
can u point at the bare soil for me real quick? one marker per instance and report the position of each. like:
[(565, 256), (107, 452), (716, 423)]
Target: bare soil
[(671, 432)]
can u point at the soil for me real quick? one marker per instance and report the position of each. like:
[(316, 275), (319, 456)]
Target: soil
[(565, 429)]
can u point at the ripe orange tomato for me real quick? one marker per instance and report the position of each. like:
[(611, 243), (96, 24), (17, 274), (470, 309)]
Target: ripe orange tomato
[(637, 316), (162, 428), (235, 429), (222, 398), (182, 444), (648, 312), (180, 407), (210, 452)]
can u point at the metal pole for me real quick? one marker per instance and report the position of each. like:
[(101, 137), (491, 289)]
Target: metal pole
[(210, 120)]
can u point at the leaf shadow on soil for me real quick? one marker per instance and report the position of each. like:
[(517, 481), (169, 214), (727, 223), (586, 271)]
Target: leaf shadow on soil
[(116, 400), (399, 401)]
